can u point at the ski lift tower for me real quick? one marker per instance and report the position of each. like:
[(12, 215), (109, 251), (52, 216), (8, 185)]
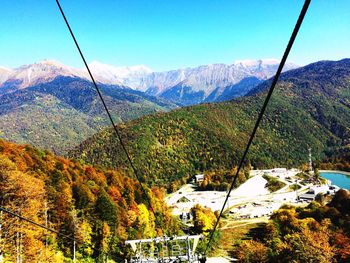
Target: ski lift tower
[(166, 249), (310, 162)]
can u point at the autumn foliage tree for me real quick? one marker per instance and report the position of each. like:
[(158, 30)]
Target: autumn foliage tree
[(252, 252), (99, 208), (24, 194), (203, 219), (220, 180), (317, 233)]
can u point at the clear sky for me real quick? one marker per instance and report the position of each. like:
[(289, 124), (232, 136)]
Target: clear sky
[(169, 34)]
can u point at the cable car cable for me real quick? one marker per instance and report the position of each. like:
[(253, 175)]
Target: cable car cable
[(106, 109), (261, 114)]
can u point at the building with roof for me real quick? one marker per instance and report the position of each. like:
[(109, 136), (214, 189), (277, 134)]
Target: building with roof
[(199, 178)]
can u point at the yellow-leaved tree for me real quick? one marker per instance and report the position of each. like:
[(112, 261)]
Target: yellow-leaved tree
[(24, 195), (203, 219), (146, 221)]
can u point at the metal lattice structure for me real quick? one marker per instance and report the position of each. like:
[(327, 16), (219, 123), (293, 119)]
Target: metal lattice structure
[(310, 162), (166, 249)]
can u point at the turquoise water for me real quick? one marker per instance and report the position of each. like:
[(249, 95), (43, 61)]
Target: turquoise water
[(341, 180)]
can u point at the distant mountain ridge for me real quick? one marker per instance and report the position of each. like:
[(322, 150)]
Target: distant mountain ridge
[(183, 86), (204, 83), (37, 73)]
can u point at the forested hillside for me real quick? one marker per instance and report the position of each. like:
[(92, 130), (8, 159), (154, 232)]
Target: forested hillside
[(317, 233), (99, 208), (310, 108), (59, 114)]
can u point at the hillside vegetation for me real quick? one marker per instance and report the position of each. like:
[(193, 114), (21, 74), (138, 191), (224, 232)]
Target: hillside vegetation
[(340, 160), (60, 114), (310, 107), (317, 233), (273, 184), (100, 208)]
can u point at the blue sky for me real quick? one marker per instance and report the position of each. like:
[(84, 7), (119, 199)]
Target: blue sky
[(165, 34)]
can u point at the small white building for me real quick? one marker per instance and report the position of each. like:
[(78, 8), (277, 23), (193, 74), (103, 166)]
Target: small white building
[(313, 191), (199, 178), (323, 189)]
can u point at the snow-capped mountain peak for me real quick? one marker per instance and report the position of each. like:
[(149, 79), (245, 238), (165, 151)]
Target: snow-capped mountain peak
[(4, 68), (252, 63), (120, 72), (112, 75), (4, 74), (39, 72), (51, 63), (261, 63), (205, 81)]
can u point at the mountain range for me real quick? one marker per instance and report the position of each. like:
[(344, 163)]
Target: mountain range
[(182, 86), (309, 108), (54, 106), (207, 83)]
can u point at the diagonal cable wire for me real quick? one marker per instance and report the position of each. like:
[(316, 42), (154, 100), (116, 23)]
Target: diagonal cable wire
[(106, 109), (261, 114), (35, 223), (70, 237)]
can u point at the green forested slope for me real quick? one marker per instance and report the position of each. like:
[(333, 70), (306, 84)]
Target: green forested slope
[(60, 114), (310, 107)]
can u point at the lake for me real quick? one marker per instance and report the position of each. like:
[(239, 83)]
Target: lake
[(339, 179)]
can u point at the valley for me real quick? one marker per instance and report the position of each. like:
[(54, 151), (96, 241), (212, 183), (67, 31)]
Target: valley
[(174, 131), (256, 199), (94, 192)]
